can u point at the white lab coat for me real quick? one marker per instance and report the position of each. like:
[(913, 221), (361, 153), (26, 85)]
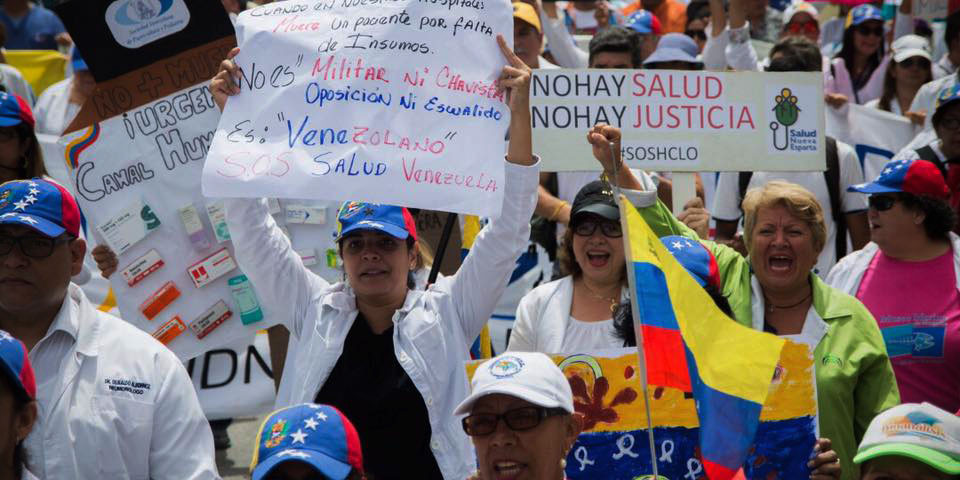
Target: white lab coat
[(847, 274), (156, 431), (432, 332), (543, 316)]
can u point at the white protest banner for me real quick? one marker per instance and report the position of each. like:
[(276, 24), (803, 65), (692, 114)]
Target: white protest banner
[(934, 9), (876, 135), (235, 380), (137, 179), (391, 102), (681, 121)]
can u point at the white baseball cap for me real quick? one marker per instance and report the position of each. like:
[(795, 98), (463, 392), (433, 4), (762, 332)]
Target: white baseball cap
[(921, 431), (911, 46), (531, 376), (800, 7)]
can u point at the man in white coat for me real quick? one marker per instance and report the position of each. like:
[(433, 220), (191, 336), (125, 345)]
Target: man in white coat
[(114, 402)]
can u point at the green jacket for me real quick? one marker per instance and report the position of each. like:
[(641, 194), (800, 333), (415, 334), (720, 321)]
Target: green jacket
[(855, 379)]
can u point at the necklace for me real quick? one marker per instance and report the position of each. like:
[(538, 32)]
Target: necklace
[(613, 300), (771, 307)]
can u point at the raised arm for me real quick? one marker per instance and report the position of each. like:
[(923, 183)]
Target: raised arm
[(485, 272), (284, 286), (562, 46)]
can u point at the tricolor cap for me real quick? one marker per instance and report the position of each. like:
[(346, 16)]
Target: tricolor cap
[(393, 221), (318, 435), (40, 204), (863, 13), (910, 46), (524, 11), (947, 96), (15, 364), (921, 431), (918, 177), (14, 111), (77, 62), (595, 197), (530, 376), (675, 47), (644, 22), (800, 7), (695, 258)]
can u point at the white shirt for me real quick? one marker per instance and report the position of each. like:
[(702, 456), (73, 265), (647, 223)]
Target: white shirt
[(13, 81), (432, 332), (726, 204), (894, 106), (115, 404), (587, 336), (943, 67), (54, 111), (926, 100)]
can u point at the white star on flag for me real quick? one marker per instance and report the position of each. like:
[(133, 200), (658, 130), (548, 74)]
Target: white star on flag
[(887, 170), (8, 215), (29, 220), (293, 453), (21, 205), (32, 183), (322, 416), (34, 191), (689, 245), (313, 406), (299, 436), (677, 246), (4, 336), (30, 198), (311, 423)]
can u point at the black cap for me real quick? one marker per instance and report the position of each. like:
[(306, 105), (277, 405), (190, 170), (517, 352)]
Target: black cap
[(595, 197)]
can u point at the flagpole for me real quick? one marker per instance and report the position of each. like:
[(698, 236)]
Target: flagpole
[(638, 331)]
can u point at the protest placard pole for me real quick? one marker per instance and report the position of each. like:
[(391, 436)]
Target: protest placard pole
[(442, 248), (684, 189)]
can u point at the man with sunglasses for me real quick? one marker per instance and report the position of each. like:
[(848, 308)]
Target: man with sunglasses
[(908, 278), (520, 417), (99, 379)]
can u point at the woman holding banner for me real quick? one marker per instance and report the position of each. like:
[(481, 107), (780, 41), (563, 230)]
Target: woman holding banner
[(390, 357), (774, 290)]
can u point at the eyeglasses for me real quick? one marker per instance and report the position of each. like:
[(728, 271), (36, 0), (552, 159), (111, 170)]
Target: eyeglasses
[(881, 203), (949, 123), (696, 34), (586, 228), (802, 27), (866, 30), (32, 246), (381, 243), (918, 62), (518, 420)]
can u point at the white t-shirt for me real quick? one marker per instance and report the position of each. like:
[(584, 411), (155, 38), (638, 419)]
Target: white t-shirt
[(726, 204), (894, 105), (54, 111), (589, 336)]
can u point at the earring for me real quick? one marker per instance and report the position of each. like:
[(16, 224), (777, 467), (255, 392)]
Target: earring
[(563, 464)]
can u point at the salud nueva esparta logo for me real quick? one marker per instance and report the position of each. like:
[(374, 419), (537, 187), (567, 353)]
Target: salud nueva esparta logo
[(787, 113)]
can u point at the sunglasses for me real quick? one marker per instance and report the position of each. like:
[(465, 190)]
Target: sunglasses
[(696, 34), (355, 245), (881, 203), (586, 228), (518, 420), (31, 245), (805, 27), (912, 62), (866, 30)]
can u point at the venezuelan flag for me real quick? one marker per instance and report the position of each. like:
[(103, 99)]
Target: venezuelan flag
[(689, 344), (483, 346)]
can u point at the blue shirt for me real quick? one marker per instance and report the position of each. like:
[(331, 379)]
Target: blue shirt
[(37, 30)]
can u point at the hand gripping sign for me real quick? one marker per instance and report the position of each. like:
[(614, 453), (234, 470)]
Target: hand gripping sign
[(394, 103)]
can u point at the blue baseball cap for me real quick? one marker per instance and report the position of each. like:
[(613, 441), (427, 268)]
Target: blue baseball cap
[(863, 13), (318, 435), (918, 177), (373, 216), (15, 364), (644, 23), (42, 205), (14, 111), (675, 47), (77, 62), (695, 258), (946, 97)]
